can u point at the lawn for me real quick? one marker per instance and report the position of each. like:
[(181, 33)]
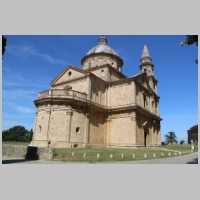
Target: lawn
[(93, 155), (184, 147), (111, 154)]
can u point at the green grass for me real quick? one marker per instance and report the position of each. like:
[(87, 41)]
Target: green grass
[(185, 147), (65, 154), (16, 143)]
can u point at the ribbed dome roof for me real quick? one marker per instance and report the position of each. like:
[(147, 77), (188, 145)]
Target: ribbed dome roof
[(102, 47)]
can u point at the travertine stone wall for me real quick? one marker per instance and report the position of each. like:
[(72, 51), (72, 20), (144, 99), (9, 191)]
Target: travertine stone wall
[(122, 94), (141, 119), (153, 136), (78, 127), (41, 126), (98, 91), (97, 128), (59, 125), (122, 130)]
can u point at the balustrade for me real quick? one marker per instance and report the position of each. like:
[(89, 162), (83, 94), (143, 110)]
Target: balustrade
[(61, 93)]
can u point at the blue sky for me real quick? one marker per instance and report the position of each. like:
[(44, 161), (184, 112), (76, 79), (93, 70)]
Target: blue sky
[(31, 62)]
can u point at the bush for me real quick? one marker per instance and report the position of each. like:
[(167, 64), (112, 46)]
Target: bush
[(182, 142), (163, 143)]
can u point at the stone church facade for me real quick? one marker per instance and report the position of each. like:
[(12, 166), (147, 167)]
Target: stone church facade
[(98, 105)]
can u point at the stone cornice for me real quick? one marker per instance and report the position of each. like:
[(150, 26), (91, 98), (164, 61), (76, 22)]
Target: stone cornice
[(109, 66), (125, 80), (67, 68), (71, 80), (102, 54), (96, 105)]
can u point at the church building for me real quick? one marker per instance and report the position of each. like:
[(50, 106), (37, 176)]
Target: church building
[(98, 105)]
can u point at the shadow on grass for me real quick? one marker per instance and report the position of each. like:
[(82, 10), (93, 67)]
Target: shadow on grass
[(194, 161)]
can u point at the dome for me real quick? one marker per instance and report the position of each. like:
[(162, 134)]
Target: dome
[(102, 47)]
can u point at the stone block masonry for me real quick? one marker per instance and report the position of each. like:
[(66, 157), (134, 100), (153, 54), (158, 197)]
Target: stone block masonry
[(27, 152)]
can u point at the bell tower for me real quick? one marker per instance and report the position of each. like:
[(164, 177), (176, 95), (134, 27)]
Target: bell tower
[(146, 66)]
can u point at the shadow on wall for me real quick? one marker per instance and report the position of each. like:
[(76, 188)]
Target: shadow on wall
[(32, 153)]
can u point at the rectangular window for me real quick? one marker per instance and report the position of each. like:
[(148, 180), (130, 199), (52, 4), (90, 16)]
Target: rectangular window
[(77, 130)]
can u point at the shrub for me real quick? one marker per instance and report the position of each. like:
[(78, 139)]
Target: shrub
[(163, 143), (182, 142)]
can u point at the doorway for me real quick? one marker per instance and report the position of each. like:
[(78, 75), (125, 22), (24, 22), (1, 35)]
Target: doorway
[(145, 137)]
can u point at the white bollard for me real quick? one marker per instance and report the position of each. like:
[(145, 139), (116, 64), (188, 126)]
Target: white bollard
[(98, 156), (154, 155), (84, 155), (133, 156), (179, 153), (122, 155), (72, 153), (169, 154), (111, 155), (145, 155)]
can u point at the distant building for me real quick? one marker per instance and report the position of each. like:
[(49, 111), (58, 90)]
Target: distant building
[(193, 134), (98, 105)]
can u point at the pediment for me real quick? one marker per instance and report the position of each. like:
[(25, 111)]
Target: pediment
[(143, 80), (68, 74)]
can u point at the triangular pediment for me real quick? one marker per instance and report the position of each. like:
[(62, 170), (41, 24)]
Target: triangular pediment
[(143, 80), (68, 74)]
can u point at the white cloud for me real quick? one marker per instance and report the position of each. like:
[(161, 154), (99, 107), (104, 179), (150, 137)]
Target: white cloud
[(14, 79), (30, 50), (25, 110)]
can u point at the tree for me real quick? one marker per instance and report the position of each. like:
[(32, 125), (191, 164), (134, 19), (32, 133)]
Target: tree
[(170, 138), (17, 133), (30, 135), (191, 39), (182, 142), (4, 42)]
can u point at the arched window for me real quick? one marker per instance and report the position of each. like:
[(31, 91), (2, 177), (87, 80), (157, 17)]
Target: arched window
[(69, 73), (39, 128)]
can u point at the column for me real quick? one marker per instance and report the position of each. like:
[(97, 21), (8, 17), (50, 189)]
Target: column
[(69, 113), (35, 125), (133, 119), (107, 142), (89, 89), (87, 129)]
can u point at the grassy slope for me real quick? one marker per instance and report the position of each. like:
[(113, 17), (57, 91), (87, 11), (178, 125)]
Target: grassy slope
[(185, 147), (65, 154)]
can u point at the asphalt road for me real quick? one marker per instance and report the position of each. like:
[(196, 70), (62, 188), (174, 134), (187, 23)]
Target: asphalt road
[(185, 159)]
